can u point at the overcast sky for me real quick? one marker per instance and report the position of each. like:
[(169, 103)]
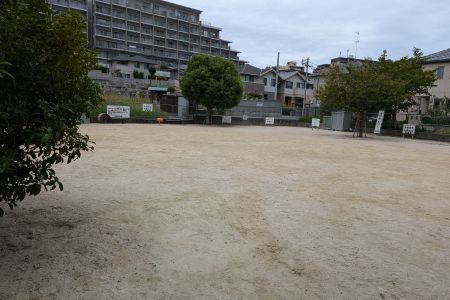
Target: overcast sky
[(321, 29)]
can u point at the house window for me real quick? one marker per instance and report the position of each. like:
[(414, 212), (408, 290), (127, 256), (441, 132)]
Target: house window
[(125, 63), (249, 78), (300, 85), (440, 72), (137, 65), (273, 82), (265, 81), (289, 84)]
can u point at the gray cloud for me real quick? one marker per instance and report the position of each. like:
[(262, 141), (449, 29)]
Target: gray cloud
[(322, 29)]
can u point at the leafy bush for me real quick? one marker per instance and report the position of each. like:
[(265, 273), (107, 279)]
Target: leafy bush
[(171, 89), (306, 119), (138, 75), (43, 99)]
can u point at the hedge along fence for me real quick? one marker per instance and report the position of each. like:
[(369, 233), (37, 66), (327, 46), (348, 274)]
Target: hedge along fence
[(135, 104)]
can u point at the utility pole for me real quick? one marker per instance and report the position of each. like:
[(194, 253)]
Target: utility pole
[(276, 77), (356, 44), (305, 62)]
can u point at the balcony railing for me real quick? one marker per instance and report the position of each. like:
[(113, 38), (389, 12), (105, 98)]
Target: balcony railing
[(147, 41), (77, 4), (118, 15), (133, 18), (119, 2), (64, 3), (103, 22), (118, 25)]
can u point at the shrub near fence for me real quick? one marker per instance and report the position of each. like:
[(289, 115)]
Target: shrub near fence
[(135, 104)]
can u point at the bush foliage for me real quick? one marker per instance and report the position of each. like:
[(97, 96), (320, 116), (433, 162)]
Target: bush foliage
[(40, 108)]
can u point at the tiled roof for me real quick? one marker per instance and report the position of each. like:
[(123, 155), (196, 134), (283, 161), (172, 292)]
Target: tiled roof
[(286, 75), (441, 56), (249, 70)]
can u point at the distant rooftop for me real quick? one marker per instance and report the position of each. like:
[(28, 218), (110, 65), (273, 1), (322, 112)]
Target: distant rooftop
[(441, 56), (248, 69)]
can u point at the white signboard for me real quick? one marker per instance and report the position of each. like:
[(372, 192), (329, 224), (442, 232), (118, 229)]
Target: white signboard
[(226, 119), (245, 117), (259, 104), (270, 121), (315, 123), (147, 107), (118, 112), (379, 122), (409, 129)]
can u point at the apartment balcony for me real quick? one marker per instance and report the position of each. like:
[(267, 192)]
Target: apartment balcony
[(147, 41), (133, 28), (133, 39), (120, 37), (133, 18), (135, 6), (147, 9), (159, 24), (118, 15), (172, 26), (102, 22), (122, 3), (104, 1), (103, 11), (118, 25), (171, 55), (172, 36), (146, 20), (160, 13), (103, 33), (147, 31), (160, 34), (78, 5)]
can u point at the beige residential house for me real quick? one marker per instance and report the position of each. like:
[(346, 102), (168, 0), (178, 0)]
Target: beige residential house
[(440, 62), (439, 95)]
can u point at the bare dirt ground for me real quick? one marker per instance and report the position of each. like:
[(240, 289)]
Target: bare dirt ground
[(194, 212)]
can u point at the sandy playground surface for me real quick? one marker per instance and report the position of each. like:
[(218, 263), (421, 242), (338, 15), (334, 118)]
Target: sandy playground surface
[(196, 212)]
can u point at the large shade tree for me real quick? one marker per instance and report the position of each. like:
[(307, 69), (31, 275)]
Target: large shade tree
[(383, 85), (44, 90), (213, 82)]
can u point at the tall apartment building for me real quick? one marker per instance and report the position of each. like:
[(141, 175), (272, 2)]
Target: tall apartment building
[(164, 33)]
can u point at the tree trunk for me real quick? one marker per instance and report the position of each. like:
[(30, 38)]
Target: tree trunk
[(361, 123), (208, 116)]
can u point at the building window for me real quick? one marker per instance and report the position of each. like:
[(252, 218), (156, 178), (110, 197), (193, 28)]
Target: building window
[(125, 63), (137, 65), (289, 84), (265, 81), (249, 78), (440, 72), (300, 85), (273, 82)]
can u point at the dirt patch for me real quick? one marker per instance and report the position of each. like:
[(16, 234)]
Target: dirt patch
[(195, 212)]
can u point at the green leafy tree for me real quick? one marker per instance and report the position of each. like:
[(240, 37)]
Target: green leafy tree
[(212, 82), (152, 71), (41, 109), (407, 78), (171, 89), (386, 84)]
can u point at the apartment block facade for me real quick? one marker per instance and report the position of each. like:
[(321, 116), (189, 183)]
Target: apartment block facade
[(164, 33)]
